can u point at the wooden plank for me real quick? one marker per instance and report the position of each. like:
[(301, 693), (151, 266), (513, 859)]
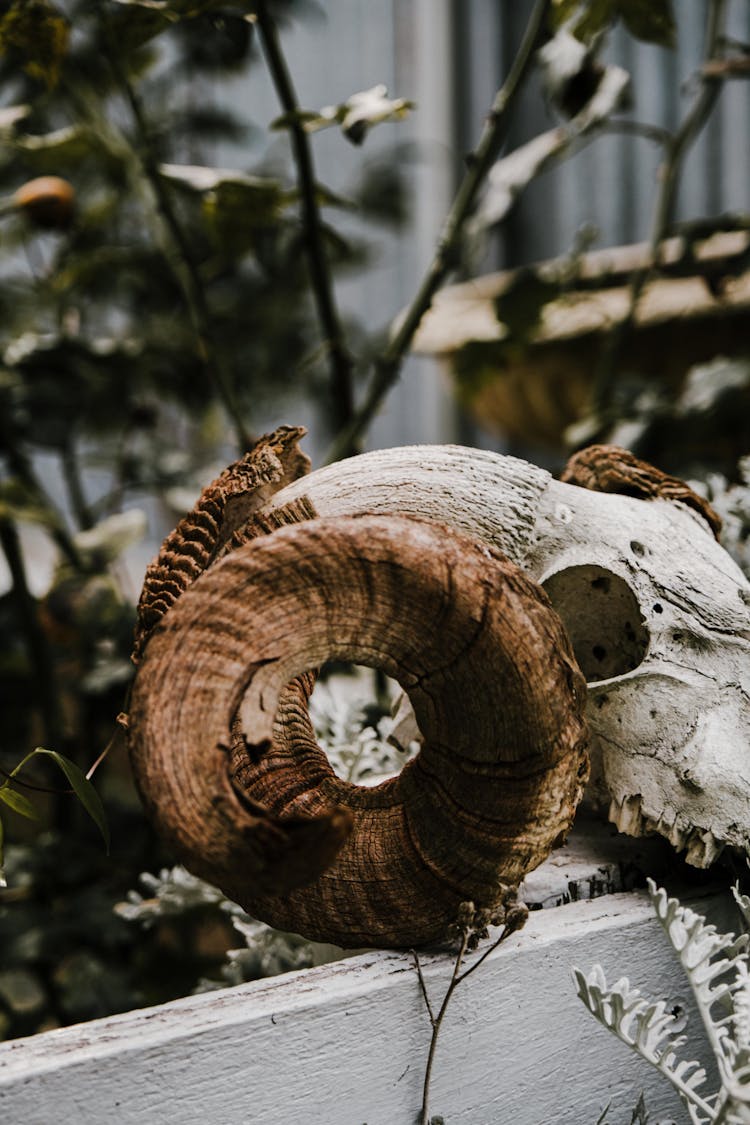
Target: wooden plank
[(346, 1043)]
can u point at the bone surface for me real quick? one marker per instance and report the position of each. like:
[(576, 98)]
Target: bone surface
[(658, 613)]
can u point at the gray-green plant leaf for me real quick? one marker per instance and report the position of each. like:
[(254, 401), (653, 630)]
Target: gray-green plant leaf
[(743, 903), (107, 540), (646, 1027), (356, 115)]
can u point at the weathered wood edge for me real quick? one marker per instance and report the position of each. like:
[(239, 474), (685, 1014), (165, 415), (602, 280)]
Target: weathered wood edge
[(367, 972)]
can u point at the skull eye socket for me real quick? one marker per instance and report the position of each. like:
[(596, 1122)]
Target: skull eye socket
[(602, 618)]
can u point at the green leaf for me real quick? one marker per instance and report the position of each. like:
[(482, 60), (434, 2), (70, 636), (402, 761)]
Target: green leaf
[(650, 20), (83, 790), (18, 503), (236, 207), (36, 34), (66, 148), (142, 20), (138, 22), (16, 801), (586, 18)]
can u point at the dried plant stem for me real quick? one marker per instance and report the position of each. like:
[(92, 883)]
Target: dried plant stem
[(74, 484), (341, 364), (436, 1021), (179, 255), (676, 149), (388, 365)]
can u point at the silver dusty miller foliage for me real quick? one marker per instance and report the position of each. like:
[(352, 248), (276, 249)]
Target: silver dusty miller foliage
[(718, 970), (357, 743)]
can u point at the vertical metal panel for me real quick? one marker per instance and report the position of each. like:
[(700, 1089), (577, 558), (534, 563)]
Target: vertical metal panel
[(612, 183)]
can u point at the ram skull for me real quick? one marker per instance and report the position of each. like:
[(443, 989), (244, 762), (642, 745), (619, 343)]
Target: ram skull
[(271, 575)]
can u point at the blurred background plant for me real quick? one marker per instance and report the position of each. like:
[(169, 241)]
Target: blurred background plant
[(159, 308)]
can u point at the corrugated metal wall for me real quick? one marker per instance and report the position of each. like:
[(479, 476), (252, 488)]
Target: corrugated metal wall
[(611, 183)]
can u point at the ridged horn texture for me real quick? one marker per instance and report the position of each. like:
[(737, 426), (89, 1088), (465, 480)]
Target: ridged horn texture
[(226, 759), (608, 468), (223, 509)]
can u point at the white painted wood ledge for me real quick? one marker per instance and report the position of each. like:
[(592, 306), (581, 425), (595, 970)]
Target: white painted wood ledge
[(346, 1043)]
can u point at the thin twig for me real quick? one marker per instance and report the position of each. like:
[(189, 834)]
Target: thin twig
[(180, 258), (515, 917), (388, 365), (422, 985), (35, 788), (424, 1116), (322, 285), (642, 129), (22, 468), (506, 932), (74, 484), (675, 152)]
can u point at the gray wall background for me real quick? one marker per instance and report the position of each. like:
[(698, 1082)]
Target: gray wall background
[(450, 56)]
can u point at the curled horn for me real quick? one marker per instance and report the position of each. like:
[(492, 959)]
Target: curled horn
[(227, 762)]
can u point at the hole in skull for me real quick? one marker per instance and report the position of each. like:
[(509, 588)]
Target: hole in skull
[(352, 710), (602, 618)]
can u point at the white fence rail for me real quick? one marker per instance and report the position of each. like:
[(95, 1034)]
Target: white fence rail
[(346, 1043)]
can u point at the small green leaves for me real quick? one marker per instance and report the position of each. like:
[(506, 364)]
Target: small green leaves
[(16, 801), (78, 782), (36, 34), (236, 206), (650, 20), (141, 20), (18, 502), (356, 115)]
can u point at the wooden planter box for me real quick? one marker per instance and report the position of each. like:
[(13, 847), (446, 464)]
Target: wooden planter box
[(346, 1043), (523, 347)]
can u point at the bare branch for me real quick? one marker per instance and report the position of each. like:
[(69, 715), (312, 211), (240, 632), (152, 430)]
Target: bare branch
[(388, 365), (342, 393), (669, 173), (180, 257)]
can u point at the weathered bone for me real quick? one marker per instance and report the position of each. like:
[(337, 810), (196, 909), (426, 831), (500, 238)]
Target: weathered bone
[(658, 613)]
